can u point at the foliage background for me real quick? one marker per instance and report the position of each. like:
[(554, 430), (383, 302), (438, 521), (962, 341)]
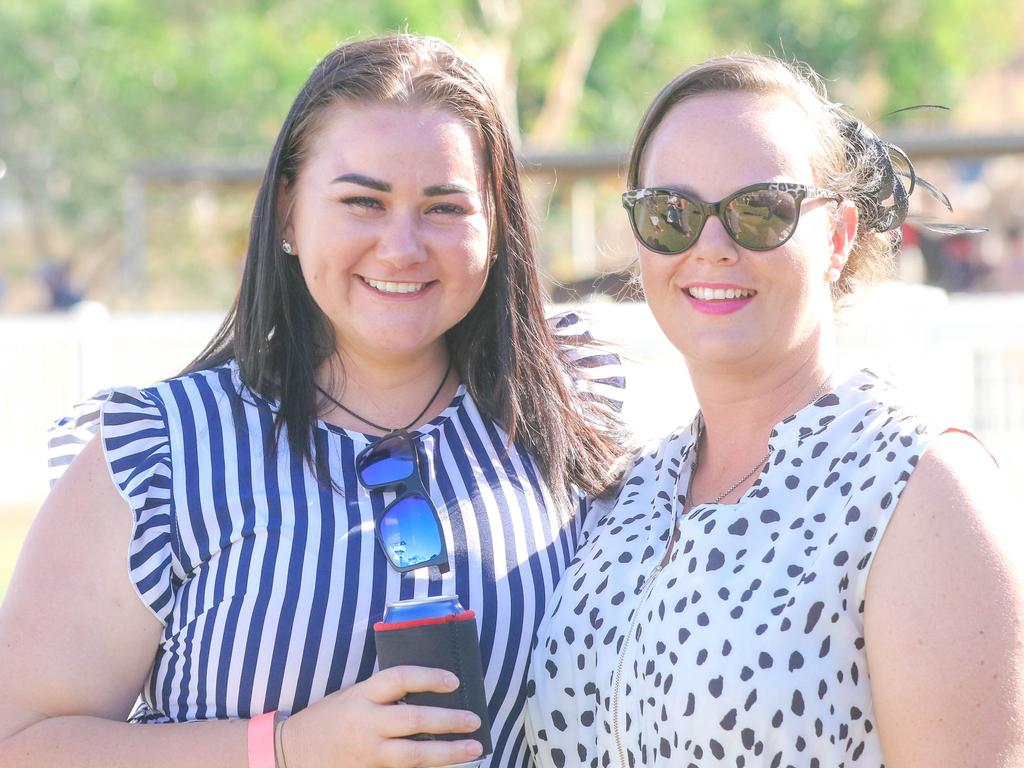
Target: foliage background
[(90, 89)]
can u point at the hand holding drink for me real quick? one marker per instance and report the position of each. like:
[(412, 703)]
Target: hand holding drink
[(437, 632)]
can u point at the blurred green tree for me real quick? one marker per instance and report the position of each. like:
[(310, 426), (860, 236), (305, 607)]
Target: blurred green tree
[(88, 88)]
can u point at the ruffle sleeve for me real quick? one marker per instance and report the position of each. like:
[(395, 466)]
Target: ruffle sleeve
[(136, 445), (596, 370)]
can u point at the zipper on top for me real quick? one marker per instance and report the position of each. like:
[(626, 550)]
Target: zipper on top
[(617, 687), (648, 586)]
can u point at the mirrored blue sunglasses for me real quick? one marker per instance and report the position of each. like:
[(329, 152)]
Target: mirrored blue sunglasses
[(409, 528)]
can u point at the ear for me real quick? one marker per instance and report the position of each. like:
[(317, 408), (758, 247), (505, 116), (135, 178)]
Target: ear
[(283, 211), (844, 233)]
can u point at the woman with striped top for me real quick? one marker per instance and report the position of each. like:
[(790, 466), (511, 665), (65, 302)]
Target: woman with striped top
[(389, 283)]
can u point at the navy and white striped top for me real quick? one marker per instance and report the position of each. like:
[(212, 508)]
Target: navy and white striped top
[(268, 584)]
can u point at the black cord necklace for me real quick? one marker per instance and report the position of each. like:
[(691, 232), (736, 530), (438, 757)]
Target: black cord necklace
[(352, 413)]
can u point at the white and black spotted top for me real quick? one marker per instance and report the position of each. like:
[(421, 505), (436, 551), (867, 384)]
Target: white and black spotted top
[(747, 648)]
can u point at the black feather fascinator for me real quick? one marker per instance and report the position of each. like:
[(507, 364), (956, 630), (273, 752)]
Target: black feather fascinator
[(885, 203)]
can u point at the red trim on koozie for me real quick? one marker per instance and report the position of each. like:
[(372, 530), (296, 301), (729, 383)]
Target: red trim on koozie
[(380, 626)]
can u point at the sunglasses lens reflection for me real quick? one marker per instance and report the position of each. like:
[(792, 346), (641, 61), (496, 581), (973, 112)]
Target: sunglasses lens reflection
[(410, 532), (667, 223), (759, 219), (389, 461), (762, 218)]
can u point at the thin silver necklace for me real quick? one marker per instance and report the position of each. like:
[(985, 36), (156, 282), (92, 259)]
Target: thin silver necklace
[(761, 462)]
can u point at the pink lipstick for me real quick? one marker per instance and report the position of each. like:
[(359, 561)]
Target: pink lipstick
[(717, 298)]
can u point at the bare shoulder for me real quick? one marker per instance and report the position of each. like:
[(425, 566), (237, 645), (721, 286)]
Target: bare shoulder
[(74, 635), (955, 514), (944, 614), (957, 467)]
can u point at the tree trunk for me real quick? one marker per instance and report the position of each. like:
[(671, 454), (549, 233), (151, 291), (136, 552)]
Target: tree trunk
[(565, 90), (492, 50)]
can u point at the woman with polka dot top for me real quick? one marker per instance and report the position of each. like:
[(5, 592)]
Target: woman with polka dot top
[(808, 574)]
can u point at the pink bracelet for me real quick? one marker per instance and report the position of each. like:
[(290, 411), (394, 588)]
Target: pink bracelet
[(261, 741)]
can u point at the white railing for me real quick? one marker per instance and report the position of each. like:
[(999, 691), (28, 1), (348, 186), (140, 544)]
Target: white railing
[(961, 357)]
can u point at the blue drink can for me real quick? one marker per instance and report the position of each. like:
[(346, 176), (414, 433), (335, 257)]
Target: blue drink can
[(438, 632), (418, 609)]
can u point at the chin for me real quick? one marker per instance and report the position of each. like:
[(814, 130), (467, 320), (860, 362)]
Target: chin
[(403, 344), (720, 349)]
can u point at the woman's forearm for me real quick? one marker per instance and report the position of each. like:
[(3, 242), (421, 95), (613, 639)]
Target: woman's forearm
[(92, 742)]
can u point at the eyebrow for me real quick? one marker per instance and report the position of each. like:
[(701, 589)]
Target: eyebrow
[(363, 181), (382, 186), (445, 189)]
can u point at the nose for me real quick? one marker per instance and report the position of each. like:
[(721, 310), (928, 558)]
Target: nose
[(401, 243), (714, 245)]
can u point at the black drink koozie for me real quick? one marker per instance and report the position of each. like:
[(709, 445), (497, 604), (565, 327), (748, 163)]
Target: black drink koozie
[(448, 642)]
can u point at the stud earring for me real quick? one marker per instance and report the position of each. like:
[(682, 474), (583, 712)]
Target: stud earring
[(287, 247), (833, 274)]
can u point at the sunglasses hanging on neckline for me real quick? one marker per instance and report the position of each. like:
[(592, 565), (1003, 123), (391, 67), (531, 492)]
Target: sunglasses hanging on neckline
[(409, 528)]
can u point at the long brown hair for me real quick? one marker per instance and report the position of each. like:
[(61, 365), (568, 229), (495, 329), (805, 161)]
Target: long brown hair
[(503, 350)]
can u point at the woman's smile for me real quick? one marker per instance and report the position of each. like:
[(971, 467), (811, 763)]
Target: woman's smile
[(718, 299), (396, 289)]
